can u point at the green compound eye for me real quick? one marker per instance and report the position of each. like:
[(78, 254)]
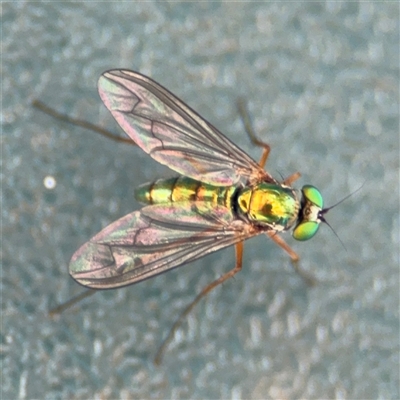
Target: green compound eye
[(312, 194), (305, 230)]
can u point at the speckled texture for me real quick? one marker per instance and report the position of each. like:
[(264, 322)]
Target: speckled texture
[(322, 85)]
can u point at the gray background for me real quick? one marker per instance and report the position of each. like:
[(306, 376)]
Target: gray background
[(321, 80)]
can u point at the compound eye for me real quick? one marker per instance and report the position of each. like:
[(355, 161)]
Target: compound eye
[(312, 194), (305, 230)]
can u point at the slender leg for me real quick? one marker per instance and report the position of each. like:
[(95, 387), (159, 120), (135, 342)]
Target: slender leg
[(308, 278), (203, 293), (78, 122), (244, 114), (290, 179), (62, 307)]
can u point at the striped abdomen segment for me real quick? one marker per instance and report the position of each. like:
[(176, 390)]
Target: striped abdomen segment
[(183, 189)]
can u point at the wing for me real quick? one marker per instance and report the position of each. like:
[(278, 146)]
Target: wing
[(172, 133), (154, 240)]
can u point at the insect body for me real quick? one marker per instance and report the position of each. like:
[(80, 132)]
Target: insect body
[(221, 197), (266, 204)]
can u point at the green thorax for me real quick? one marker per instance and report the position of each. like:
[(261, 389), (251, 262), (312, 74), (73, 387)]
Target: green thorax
[(269, 204)]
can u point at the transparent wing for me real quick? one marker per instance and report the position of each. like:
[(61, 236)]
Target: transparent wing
[(154, 240), (172, 133)]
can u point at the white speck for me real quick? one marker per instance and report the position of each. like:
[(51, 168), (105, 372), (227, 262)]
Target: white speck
[(49, 182)]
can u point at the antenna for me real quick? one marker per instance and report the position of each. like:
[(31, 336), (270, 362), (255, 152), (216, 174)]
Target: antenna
[(325, 210)]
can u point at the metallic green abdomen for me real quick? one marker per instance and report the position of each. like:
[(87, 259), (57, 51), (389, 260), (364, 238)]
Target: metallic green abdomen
[(183, 189)]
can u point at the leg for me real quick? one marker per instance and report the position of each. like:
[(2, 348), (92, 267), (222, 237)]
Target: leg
[(62, 307), (290, 179), (203, 293), (78, 122), (308, 278), (244, 114)]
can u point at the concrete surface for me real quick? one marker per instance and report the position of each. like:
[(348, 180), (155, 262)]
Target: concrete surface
[(321, 80)]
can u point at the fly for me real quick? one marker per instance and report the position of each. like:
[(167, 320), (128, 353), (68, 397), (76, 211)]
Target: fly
[(220, 198)]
